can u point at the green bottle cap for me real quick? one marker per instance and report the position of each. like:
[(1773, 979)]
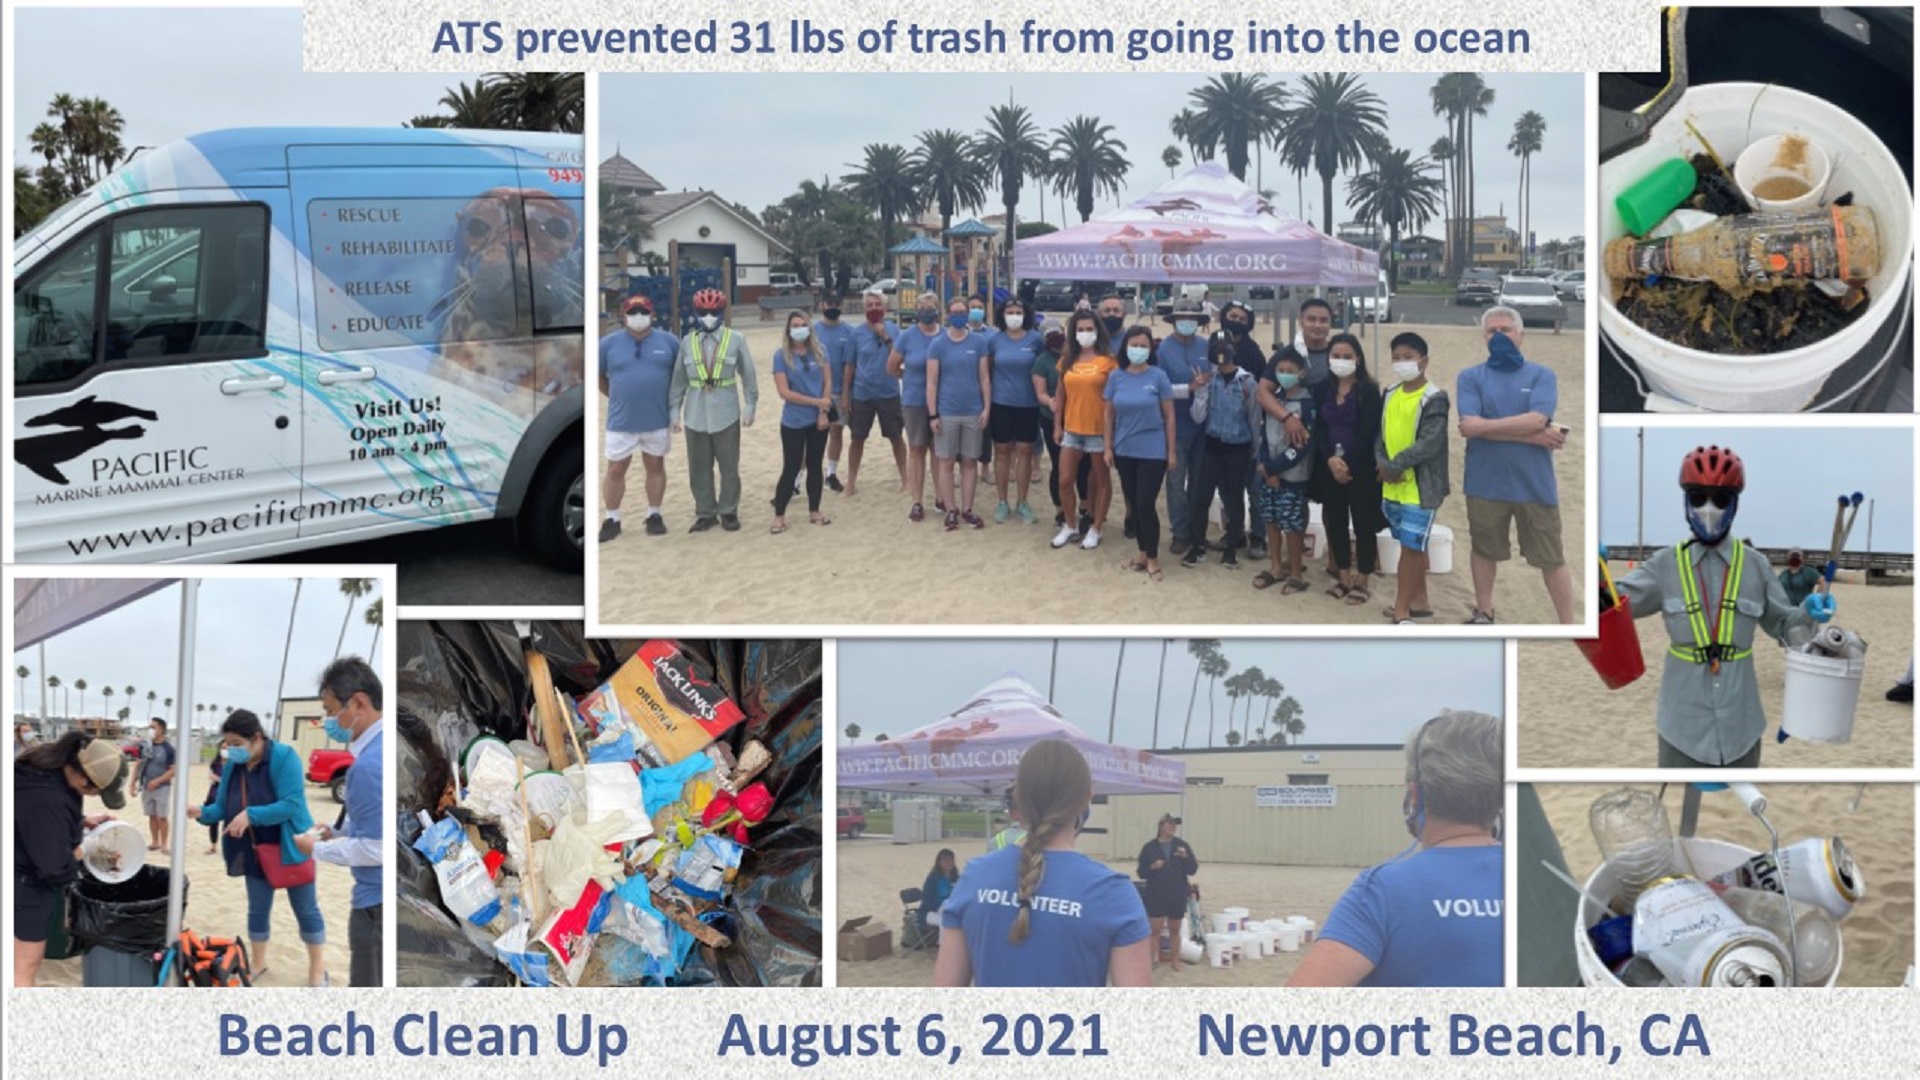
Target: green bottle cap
[(1655, 195)]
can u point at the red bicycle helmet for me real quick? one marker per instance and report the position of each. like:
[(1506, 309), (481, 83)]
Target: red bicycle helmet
[(1713, 466), (709, 300)]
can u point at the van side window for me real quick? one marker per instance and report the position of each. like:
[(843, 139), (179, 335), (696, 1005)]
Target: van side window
[(556, 261), (182, 284)]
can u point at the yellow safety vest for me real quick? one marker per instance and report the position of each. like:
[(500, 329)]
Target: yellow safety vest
[(1706, 647), (701, 376)]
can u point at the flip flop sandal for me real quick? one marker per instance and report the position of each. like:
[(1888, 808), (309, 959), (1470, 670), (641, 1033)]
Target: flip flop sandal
[(1340, 592), (1154, 575), (777, 529), (1294, 586), (1356, 597), (1264, 578), (1136, 567), (1415, 613), (820, 521)]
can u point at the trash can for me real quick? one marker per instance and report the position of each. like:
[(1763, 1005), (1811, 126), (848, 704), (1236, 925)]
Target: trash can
[(121, 926)]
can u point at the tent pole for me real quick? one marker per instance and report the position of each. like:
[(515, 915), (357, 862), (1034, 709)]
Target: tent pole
[(183, 694)]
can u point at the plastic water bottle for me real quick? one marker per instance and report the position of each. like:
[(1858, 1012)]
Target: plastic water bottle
[(1636, 839)]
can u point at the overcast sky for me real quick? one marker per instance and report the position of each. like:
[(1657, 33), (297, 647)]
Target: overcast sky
[(1349, 691), (1793, 479), (753, 138), (174, 72), (242, 631)]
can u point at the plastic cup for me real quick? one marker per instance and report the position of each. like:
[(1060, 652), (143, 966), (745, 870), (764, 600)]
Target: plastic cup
[(1771, 169)]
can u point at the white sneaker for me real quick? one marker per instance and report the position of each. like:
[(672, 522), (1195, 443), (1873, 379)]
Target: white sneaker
[(1064, 536), (1092, 541)]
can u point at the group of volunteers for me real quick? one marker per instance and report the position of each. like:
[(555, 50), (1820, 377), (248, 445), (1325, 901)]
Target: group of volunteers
[(1185, 416), (255, 812), (1036, 912)]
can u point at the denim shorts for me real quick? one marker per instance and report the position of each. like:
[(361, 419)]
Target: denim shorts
[(1090, 444), (1409, 525)]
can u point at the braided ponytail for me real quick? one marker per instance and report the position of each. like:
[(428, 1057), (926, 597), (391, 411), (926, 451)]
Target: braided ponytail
[(1053, 789)]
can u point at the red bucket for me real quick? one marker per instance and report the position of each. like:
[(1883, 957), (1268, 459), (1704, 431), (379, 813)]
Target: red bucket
[(1615, 654)]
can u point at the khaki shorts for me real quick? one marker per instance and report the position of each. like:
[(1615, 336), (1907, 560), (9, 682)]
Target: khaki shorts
[(1490, 521), (157, 802)]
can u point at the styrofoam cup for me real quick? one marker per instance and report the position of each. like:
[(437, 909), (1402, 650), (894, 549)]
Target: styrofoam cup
[(1766, 159)]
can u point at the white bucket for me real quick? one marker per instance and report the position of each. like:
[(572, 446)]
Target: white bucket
[(1439, 551), (1220, 923), (1778, 382), (1710, 858), (1269, 942), (1306, 926), (1192, 952), (1243, 944), (1821, 694), (113, 852), (1219, 951), (1288, 939), (1238, 915)]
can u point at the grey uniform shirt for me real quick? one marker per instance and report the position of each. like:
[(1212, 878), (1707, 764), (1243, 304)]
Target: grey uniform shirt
[(712, 409), (1711, 717)]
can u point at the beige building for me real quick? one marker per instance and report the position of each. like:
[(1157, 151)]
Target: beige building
[(298, 720)]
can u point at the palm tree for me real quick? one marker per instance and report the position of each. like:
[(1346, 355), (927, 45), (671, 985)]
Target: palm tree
[(1185, 126), (1442, 152), (1092, 161), (853, 732), (106, 698), (167, 703), (152, 696), (1170, 157), (472, 105), (1214, 666), (1287, 721), (53, 683), (376, 617), (1461, 96), (1236, 686), (947, 174), (125, 712), (1159, 686), (1235, 111), (1528, 133), (539, 101), (882, 737), (1232, 738), (353, 589), (1199, 649), (81, 685), (622, 221), (1254, 683), (20, 673), (1338, 124), (1397, 192), (884, 182), (1009, 148)]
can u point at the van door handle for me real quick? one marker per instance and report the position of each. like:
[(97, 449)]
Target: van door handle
[(252, 386), (335, 376)]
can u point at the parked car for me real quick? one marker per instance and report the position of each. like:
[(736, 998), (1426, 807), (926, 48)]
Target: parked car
[(782, 284), (857, 283), (850, 822), (1063, 295), (1533, 272), (1535, 300), (1570, 284), (133, 748), (328, 767), (886, 285), (1361, 305), (1477, 285)]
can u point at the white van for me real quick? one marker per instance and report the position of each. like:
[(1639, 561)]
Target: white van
[(259, 341)]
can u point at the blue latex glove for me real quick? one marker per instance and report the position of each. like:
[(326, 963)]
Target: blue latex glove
[(1820, 606), (1603, 553)]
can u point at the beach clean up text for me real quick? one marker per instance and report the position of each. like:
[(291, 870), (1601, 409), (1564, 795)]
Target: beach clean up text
[(423, 1035)]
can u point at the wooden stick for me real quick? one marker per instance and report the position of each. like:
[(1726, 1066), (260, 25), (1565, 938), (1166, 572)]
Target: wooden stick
[(702, 932), (529, 878), (553, 727), (573, 733)]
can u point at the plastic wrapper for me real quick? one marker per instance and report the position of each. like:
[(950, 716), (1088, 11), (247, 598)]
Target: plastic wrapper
[(462, 680)]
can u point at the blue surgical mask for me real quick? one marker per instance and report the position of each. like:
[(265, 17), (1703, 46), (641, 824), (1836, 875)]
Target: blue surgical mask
[(1287, 379), (1185, 327), (239, 755), (1137, 354), (976, 316), (958, 320), (336, 730)]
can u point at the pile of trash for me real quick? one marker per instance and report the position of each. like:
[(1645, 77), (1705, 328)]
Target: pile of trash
[(607, 813)]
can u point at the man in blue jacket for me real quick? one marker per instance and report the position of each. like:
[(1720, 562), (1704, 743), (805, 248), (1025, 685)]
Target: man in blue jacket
[(350, 694)]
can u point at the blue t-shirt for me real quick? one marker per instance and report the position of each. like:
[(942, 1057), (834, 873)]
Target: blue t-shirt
[(1082, 911), (836, 340), (1508, 471), (1013, 368), (1180, 358), (1432, 919), (913, 345), (870, 379), (1139, 430), (638, 373), (805, 375), (960, 374)]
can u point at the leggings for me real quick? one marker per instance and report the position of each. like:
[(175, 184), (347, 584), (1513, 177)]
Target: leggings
[(1053, 467), (797, 443), (1223, 468), (1344, 507), (304, 900), (1140, 480)]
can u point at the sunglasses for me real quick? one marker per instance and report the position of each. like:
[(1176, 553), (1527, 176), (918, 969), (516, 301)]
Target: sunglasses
[(1721, 498)]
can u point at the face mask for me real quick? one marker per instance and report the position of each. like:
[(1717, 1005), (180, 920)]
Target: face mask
[(238, 755), (928, 316), (153, 736), (709, 322), (1287, 380), (1016, 321), (1113, 323), (1406, 370), (639, 322), (1185, 327), (1710, 523), (1137, 354), (1503, 354), (800, 333), (876, 316), (958, 320), (1342, 368), (1237, 329), (1086, 338), (976, 316), (336, 730), (832, 314)]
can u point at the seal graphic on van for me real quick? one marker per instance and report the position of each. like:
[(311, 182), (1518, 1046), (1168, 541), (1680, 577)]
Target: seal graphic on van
[(88, 418)]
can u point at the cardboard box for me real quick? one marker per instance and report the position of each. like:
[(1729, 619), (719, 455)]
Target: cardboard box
[(672, 705), (865, 939)]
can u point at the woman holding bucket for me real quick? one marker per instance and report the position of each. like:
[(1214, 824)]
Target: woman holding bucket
[(1431, 917), (1166, 862), (263, 803), (1723, 591), (1042, 914), (50, 783)]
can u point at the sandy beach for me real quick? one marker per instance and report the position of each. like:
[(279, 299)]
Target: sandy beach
[(873, 870), (1007, 574), (1569, 719), (217, 904), (1878, 933)]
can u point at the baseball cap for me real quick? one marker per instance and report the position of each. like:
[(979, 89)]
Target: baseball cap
[(1188, 308), (106, 768), (636, 303), (1164, 818)]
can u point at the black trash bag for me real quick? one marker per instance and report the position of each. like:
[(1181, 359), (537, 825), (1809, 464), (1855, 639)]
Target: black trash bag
[(461, 680), (129, 917)]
